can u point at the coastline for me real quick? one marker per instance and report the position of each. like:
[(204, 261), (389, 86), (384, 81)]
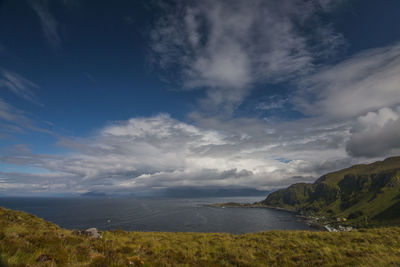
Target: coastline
[(315, 222), (248, 205), (169, 215)]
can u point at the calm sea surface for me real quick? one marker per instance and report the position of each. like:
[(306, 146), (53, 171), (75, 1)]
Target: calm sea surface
[(169, 214)]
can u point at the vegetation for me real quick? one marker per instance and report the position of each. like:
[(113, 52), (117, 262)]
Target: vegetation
[(366, 195), (26, 240)]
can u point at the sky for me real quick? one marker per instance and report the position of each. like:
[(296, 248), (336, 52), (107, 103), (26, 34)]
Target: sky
[(140, 97)]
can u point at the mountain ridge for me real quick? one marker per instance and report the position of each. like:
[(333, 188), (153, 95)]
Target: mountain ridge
[(365, 194)]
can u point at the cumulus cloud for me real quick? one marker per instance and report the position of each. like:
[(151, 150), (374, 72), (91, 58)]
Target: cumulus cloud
[(376, 134), (363, 92), (161, 152), (227, 46), (365, 82)]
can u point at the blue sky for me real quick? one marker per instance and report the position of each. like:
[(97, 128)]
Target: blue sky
[(141, 96)]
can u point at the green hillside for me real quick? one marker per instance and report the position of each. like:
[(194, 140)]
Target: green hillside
[(365, 194), (26, 240)]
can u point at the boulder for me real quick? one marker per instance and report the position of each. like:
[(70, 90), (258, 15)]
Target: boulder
[(93, 232)]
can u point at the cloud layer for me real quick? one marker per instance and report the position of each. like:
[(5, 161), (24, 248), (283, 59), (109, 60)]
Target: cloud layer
[(349, 111), (365, 82), (161, 152), (18, 85), (228, 46), (48, 21), (376, 134)]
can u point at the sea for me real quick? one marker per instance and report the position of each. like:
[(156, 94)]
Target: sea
[(156, 214)]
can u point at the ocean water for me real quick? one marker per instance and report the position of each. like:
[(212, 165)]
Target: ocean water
[(145, 214)]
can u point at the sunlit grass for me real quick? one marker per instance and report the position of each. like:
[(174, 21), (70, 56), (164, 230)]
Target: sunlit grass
[(26, 239)]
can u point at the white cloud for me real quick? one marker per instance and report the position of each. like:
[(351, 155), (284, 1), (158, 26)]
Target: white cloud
[(49, 23), (14, 120), (34, 183), (273, 102), (159, 152), (376, 134), (228, 46), (365, 82), (19, 85), (379, 118)]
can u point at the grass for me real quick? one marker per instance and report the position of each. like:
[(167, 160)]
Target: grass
[(26, 240), (366, 194)]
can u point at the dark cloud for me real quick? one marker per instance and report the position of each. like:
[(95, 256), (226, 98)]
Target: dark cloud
[(376, 135)]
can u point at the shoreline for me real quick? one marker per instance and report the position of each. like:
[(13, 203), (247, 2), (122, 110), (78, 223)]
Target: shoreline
[(315, 222), (248, 205)]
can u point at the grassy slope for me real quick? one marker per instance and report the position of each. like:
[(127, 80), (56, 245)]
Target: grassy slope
[(367, 193), (24, 238)]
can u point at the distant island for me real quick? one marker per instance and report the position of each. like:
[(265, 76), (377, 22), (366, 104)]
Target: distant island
[(93, 194), (183, 192), (364, 195)]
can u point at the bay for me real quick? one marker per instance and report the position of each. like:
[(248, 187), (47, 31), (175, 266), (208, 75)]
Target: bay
[(156, 214)]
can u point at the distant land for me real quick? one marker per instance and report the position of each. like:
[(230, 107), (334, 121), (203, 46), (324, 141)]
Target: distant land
[(186, 192), (363, 195), (193, 192), (94, 194)]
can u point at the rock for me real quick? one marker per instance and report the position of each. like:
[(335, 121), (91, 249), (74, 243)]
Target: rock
[(44, 258), (330, 228), (345, 228), (93, 232)]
